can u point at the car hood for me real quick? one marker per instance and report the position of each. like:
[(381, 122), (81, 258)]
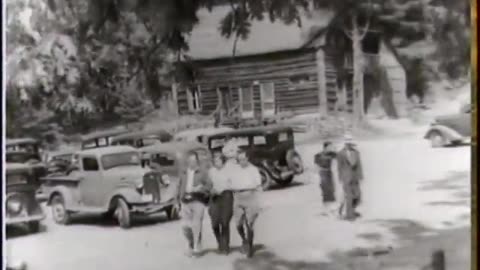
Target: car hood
[(443, 119), (128, 173)]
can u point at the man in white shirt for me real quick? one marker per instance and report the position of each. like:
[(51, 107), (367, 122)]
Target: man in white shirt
[(195, 190), (246, 185)]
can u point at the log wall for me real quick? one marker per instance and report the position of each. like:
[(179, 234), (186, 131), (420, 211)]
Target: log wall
[(279, 68)]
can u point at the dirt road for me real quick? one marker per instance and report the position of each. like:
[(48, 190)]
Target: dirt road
[(409, 190)]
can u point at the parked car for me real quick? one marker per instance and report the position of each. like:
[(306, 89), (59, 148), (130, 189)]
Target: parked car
[(169, 159), (20, 204), (451, 129), (100, 138), (108, 180), (23, 145), (270, 148), (142, 138), (199, 135)]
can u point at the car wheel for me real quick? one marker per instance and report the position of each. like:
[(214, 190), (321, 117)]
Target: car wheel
[(60, 213), (285, 182), (437, 140), (122, 213), (33, 226), (266, 179), (173, 212)]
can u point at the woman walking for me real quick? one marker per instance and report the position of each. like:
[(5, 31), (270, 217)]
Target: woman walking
[(324, 161), (221, 203)]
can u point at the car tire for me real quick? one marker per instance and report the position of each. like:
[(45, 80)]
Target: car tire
[(33, 226), (173, 212), (437, 140), (60, 214), (266, 179), (122, 213)]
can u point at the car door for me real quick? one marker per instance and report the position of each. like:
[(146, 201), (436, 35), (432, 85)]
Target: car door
[(91, 184)]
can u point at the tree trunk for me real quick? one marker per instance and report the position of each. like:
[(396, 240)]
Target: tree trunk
[(358, 93)]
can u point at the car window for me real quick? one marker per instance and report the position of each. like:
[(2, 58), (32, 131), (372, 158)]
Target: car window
[(163, 159), (215, 143), (17, 178), (120, 159), (241, 141), (259, 140), (283, 137), (90, 164), (150, 141)]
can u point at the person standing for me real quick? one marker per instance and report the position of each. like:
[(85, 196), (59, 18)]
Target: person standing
[(195, 190), (221, 203), (246, 184), (324, 161), (350, 173)]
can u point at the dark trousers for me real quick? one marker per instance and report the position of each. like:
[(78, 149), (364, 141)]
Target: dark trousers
[(221, 211)]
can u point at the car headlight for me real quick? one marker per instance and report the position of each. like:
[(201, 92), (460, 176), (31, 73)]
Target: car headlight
[(14, 205)]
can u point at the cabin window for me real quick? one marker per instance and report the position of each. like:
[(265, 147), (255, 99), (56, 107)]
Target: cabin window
[(90, 164), (371, 43), (300, 79), (267, 96), (193, 98)]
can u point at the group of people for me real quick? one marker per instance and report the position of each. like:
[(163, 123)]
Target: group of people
[(229, 189), (340, 176)]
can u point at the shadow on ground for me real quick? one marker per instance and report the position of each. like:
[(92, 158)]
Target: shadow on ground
[(103, 221), (266, 260), (21, 230)]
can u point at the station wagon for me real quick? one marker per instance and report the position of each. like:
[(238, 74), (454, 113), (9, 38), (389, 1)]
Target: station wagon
[(108, 180), (142, 138), (100, 138), (20, 203), (270, 148)]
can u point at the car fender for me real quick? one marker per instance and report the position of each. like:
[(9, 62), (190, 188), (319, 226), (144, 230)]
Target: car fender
[(66, 193), (128, 194), (449, 133)]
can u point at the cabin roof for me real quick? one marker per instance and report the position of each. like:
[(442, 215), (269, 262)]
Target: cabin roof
[(265, 37), (20, 141), (172, 147), (264, 130), (143, 134), (107, 150), (189, 133), (103, 133)]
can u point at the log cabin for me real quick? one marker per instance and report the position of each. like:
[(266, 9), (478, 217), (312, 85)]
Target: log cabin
[(285, 68)]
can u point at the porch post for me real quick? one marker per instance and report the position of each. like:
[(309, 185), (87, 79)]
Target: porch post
[(175, 97), (321, 80)]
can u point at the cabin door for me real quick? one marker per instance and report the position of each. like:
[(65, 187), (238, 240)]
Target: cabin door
[(267, 97), (226, 100)]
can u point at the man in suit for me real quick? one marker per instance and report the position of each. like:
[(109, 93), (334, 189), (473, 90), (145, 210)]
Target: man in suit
[(194, 193), (350, 174)]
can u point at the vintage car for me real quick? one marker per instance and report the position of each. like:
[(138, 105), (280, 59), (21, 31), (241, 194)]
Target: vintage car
[(142, 138), (451, 129), (23, 145), (110, 181), (199, 135), (169, 159), (100, 138), (20, 204), (270, 148)]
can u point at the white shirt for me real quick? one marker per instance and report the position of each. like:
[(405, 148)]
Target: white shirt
[(221, 180), (246, 178), (190, 175)]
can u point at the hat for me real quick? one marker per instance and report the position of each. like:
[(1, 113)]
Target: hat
[(348, 138)]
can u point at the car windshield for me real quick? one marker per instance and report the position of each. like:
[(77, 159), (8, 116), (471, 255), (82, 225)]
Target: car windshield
[(120, 159)]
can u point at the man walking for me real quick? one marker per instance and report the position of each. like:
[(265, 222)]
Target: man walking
[(324, 161), (350, 173), (246, 185), (195, 189)]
